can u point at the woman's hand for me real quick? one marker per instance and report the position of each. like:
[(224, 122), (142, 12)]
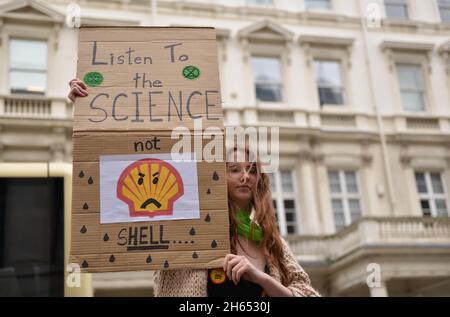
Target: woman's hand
[(237, 266), (77, 89)]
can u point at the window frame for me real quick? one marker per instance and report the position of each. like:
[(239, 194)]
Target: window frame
[(344, 196), (282, 73), (430, 196), (48, 33), (343, 83), (324, 48), (446, 6), (404, 3), (10, 69), (279, 196), (329, 8), (424, 90), (249, 3), (418, 56)]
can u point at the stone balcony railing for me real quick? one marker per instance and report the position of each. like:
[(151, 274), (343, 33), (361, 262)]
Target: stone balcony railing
[(373, 232), (34, 106), (404, 123)]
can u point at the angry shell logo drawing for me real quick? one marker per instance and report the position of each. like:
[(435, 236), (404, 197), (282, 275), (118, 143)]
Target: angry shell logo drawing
[(153, 187), (150, 187)]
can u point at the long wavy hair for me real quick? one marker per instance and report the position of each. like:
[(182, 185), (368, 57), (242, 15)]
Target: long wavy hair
[(261, 201)]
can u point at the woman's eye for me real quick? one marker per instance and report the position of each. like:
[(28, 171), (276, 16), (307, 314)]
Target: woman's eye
[(253, 170), (234, 169)]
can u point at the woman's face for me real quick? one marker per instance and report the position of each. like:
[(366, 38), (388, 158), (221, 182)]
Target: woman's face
[(241, 181)]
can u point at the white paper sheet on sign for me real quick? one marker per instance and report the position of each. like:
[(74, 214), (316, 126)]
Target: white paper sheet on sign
[(144, 187)]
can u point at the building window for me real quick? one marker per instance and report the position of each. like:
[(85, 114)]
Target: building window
[(412, 89), (32, 237), (268, 78), (396, 9), (284, 201), (28, 66), (444, 10), (260, 2), (345, 197), (317, 4), (432, 194), (329, 82)]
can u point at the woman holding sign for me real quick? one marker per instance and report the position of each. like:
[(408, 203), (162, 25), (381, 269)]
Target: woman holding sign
[(261, 263)]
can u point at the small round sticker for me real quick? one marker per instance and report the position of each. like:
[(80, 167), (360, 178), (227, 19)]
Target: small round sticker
[(217, 276), (93, 79), (191, 72)]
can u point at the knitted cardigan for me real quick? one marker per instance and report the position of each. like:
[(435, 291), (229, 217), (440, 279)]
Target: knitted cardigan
[(193, 282)]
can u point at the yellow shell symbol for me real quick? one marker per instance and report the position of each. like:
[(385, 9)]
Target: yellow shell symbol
[(150, 187), (217, 276)]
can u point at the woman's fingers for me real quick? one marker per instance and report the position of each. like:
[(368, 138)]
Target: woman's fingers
[(77, 81), (242, 265), (232, 264), (80, 91), (77, 89), (240, 271), (71, 97), (225, 262), (82, 84), (76, 92), (235, 263), (228, 257), (227, 266), (83, 92), (235, 266)]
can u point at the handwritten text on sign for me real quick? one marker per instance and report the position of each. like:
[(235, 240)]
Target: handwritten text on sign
[(156, 104)]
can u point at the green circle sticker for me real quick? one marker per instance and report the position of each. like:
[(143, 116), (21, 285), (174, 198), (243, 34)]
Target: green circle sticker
[(191, 72), (93, 79)]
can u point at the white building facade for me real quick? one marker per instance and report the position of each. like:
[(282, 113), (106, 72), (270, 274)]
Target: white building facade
[(359, 89)]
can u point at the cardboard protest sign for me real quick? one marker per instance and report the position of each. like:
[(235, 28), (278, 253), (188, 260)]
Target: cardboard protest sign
[(135, 206)]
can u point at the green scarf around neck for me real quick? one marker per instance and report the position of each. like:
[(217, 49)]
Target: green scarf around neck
[(246, 228)]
